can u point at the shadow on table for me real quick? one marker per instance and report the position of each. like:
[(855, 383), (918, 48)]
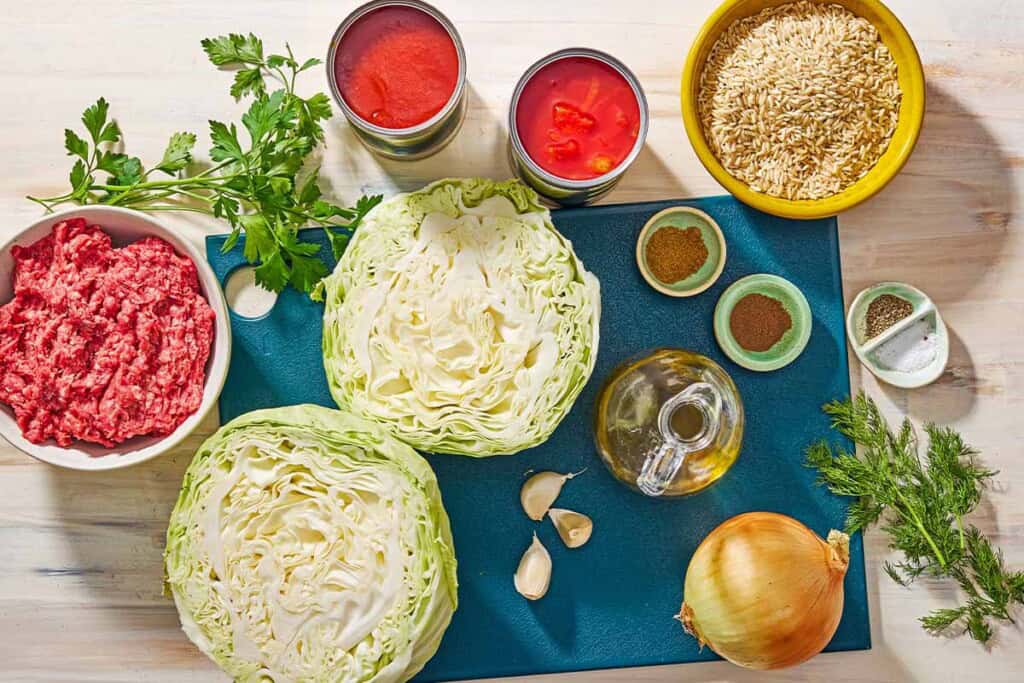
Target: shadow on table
[(942, 224), (478, 149), (648, 179), (114, 525), (956, 191), (949, 398)]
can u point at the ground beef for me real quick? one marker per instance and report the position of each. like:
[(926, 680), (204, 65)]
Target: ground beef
[(102, 344)]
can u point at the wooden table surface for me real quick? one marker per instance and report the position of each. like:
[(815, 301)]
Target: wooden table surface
[(80, 554)]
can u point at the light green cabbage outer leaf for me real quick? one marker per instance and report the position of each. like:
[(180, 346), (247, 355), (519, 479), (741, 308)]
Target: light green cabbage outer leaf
[(461, 320), (309, 545)]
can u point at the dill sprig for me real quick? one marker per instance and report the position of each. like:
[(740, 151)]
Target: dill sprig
[(920, 502)]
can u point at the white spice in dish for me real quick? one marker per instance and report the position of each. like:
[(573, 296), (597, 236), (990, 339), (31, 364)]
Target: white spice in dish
[(912, 349)]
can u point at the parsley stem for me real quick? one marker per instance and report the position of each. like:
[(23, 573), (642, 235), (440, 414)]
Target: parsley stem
[(50, 202), (240, 196), (174, 182), (46, 203), (175, 207), (212, 169), (145, 199)]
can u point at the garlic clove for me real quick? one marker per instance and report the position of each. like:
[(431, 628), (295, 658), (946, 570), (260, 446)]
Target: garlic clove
[(574, 527), (533, 576), (540, 491)]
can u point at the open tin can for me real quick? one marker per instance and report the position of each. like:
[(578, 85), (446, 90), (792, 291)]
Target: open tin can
[(566, 191), (422, 139)]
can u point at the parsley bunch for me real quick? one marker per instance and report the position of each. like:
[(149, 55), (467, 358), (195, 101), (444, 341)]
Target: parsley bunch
[(254, 183), (921, 503)]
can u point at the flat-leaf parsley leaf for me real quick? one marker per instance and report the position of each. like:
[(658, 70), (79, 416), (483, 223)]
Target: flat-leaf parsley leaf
[(254, 183)]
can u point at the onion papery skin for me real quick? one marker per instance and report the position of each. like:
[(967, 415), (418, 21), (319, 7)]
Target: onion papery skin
[(764, 591)]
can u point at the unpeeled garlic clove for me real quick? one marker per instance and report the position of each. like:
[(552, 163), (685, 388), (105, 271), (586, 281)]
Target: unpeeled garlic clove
[(540, 491), (533, 576), (574, 527)]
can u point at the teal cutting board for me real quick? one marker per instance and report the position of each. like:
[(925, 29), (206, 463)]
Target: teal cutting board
[(611, 602)]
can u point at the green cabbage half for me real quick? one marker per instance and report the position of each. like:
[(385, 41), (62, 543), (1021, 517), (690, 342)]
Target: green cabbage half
[(461, 320), (309, 545)]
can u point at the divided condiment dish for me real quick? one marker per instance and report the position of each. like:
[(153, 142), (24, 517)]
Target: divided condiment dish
[(870, 352), (124, 226)]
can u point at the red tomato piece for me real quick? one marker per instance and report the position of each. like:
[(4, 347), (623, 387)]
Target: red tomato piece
[(578, 118), (563, 150), (569, 119)]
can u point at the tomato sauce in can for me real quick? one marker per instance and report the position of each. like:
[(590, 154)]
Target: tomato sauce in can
[(577, 121), (397, 70)]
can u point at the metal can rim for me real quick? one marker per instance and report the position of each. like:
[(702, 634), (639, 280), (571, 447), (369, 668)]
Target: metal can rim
[(623, 71), (419, 128)]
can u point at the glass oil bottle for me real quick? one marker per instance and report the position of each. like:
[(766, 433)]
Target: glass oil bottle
[(669, 423)]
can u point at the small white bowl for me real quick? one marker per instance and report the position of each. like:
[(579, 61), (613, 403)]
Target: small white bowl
[(866, 349), (124, 227)]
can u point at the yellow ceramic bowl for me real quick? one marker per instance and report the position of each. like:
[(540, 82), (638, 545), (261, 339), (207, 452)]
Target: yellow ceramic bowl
[(911, 79)]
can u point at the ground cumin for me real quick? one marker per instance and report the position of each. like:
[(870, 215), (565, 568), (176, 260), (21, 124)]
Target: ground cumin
[(674, 254), (758, 322)]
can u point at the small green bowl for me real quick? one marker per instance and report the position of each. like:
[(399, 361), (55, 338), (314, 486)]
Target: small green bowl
[(786, 349), (684, 217)]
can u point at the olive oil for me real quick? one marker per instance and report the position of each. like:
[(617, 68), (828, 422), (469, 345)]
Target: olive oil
[(669, 423), (687, 421)]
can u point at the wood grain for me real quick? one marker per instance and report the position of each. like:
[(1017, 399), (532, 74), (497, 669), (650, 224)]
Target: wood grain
[(80, 555)]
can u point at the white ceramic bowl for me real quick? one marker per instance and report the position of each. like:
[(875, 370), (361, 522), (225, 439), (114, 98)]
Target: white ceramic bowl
[(866, 349), (124, 226)]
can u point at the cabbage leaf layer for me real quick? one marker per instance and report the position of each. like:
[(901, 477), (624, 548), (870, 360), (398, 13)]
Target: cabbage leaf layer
[(309, 545), (461, 320)]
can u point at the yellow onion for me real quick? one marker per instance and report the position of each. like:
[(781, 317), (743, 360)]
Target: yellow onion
[(764, 591)]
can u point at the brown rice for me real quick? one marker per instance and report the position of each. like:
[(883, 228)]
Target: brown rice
[(799, 101)]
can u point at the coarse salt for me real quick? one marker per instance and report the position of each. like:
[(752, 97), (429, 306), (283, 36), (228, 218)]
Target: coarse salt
[(912, 349)]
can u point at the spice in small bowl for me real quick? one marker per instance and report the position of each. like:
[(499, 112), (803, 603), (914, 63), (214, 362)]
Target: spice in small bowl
[(758, 322), (762, 322), (674, 254), (681, 251)]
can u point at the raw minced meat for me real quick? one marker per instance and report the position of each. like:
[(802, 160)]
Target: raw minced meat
[(102, 344)]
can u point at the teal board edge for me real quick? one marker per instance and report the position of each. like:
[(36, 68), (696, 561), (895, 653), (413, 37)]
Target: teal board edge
[(611, 602)]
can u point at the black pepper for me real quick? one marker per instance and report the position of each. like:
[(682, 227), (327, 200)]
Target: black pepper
[(884, 312)]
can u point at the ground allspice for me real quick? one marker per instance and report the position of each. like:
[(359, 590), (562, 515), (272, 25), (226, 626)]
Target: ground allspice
[(674, 254), (884, 312), (758, 322)]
